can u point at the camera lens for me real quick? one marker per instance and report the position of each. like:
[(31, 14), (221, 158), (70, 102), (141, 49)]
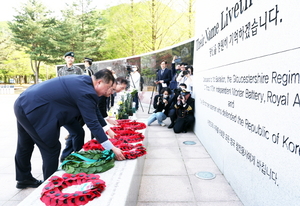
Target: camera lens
[(129, 68)]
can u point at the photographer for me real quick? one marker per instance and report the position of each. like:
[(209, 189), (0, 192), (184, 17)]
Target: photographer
[(189, 80), (134, 78), (184, 111), (175, 70), (180, 75), (172, 110), (185, 76), (161, 105)]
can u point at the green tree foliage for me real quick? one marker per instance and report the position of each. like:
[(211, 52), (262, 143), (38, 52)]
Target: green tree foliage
[(80, 31), (6, 45), (18, 66), (10, 56), (119, 31), (146, 26), (15, 63), (30, 30)]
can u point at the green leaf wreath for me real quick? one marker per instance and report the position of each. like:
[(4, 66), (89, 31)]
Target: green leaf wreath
[(89, 162)]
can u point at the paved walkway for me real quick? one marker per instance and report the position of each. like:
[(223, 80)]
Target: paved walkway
[(169, 169)]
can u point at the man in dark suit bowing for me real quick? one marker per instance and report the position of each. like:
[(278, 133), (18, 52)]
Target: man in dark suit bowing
[(43, 108), (163, 76)]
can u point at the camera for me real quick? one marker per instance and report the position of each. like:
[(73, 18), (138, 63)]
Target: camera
[(177, 90), (185, 73), (129, 68), (178, 60), (161, 98), (180, 96)]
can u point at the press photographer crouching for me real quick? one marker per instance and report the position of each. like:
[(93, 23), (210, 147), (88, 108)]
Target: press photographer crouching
[(184, 112), (172, 110), (161, 105)]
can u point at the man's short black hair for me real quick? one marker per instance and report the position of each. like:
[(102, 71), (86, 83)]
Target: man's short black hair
[(106, 75), (183, 64), (183, 84)]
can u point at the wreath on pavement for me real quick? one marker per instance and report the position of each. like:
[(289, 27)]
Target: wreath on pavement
[(91, 161), (130, 151), (95, 145), (138, 150), (125, 125), (129, 136), (122, 121), (91, 187), (133, 125), (118, 129)]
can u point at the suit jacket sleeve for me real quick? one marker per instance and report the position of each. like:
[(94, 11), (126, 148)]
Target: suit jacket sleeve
[(158, 75), (167, 77), (87, 105), (173, 70), (155, 101)]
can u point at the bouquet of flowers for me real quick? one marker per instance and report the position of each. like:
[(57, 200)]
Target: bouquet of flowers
[(125, 105)]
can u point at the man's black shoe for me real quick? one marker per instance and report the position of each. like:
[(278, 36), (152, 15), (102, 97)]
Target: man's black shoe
[(171, 125), (34, 183)]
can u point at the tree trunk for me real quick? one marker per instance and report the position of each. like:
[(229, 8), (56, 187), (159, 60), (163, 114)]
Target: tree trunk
[(35, 66), (190, 17), (153, 25), (132, 30)]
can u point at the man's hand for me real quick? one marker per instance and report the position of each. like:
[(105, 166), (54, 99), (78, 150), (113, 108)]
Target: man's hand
[(111, 133), (112, 121), (183, 100), (118, 153)]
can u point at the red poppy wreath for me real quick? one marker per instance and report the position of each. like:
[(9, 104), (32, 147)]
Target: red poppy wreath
[(130, 151), (53, 195), (133, 125), (129, 136)]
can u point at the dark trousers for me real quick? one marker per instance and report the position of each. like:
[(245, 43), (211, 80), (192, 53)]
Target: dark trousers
[(183, 124), (27, 137), (172, 115), (110, 101), (136, 100), (75, 140)]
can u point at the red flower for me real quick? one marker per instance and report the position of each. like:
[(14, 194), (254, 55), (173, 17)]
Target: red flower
[(52, 194)]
